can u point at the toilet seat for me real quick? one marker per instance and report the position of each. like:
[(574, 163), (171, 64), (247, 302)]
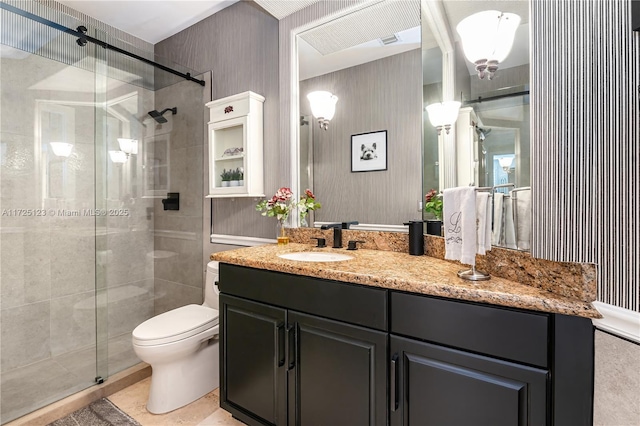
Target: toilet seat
[(175, 325)]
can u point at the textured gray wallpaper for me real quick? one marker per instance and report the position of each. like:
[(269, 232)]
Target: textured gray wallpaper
[(239, 45), (586, 146)]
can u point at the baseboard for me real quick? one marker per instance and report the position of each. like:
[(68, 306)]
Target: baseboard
[(619, 321), (68, 405)]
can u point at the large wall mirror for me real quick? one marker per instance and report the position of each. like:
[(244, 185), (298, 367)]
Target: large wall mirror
[(370, 58), (386, 61)]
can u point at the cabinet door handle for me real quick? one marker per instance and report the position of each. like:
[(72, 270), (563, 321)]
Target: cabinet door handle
[(280, 345), (394, 382), (292, 346)]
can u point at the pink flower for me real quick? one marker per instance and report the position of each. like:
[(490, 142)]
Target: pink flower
[(430, 195), (309, 194)]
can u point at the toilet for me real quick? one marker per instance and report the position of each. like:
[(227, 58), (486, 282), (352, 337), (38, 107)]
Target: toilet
[(182, 348)]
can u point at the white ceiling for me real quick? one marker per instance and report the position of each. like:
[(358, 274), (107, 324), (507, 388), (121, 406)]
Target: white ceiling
[(150, 20), (281, 8)]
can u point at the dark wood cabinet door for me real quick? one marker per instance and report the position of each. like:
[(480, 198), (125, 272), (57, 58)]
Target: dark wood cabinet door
[(339, 372), (253, 368), (434, 385)]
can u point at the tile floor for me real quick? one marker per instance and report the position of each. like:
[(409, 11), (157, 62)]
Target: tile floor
[(205, 411)]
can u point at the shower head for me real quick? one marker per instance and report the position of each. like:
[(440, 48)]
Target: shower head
[(158, 115)]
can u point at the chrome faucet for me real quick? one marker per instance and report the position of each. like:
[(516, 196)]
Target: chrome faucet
[(337, 231)]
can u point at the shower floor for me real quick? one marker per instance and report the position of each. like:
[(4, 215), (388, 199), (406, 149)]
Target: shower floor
[(28, 388)]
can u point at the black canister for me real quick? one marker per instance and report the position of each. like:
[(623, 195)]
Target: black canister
[(416, 239)]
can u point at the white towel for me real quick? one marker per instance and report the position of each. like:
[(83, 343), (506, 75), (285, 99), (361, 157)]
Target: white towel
[(523, 219), (459, 220), (509, 228), (483, 215), (498, 198)]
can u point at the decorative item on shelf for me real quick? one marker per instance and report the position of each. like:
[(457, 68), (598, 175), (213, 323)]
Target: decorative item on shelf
[(231, 152), (236, 176), (307, 203), (240, 176), (487, 38), (279, 206), (443, 115), (323, 106), (226, 178), (433, 205)]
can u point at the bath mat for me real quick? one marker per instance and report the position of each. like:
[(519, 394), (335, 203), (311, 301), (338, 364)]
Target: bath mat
[(99, 413)]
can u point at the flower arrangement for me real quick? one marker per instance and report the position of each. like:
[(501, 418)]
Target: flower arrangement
[(281, 204), (307, 202), (433, 204)]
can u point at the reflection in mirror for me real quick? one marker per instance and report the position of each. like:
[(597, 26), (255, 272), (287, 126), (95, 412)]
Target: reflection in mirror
[(374, 68), (490, 144)]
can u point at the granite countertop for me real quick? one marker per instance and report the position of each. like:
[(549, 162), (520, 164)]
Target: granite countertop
[(400, 271)]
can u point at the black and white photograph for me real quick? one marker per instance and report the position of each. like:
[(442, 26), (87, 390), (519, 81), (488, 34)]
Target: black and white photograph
[(369, 151)]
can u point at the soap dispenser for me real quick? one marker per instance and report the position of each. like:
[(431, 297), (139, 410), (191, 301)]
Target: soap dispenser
[(416, 237)]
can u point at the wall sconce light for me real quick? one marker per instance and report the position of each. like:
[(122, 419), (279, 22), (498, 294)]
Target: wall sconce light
[(505, 163), (61, 149), (128, 146), (118, 157), (323, 107), (487, 38), (443, 115)]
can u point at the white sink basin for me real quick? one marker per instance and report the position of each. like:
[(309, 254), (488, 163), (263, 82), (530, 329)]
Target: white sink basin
[(314, 256)]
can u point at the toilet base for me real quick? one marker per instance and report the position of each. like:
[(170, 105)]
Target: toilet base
[(176, 384)]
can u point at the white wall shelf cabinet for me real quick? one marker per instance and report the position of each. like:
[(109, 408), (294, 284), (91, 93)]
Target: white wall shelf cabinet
[(235, 144)]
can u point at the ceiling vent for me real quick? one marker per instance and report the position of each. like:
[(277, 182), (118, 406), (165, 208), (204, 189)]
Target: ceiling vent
[(389, 39)]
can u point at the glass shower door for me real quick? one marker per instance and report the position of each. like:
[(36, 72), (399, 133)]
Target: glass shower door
[(47, 241)]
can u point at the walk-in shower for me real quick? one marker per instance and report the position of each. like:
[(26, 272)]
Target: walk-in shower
[(86, 251)]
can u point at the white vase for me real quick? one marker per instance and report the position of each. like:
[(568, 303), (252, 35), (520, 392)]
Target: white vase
[(225, 183), (241, 182), (234, 183)]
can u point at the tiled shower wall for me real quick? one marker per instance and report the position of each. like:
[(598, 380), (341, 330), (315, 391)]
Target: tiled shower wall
[(178, 269)]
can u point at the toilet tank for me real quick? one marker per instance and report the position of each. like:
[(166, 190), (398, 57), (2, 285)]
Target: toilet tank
[(211, 291)]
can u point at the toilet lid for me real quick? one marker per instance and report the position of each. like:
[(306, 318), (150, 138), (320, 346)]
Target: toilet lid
[(175, 325)]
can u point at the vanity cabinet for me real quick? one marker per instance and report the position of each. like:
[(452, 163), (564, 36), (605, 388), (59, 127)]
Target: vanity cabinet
[(298, 350), (466, 364), (253, 344), (235, 132), (436, 385), (281, 365)]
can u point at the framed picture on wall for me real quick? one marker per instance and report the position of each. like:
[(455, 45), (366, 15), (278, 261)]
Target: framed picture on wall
[(369, 151)]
